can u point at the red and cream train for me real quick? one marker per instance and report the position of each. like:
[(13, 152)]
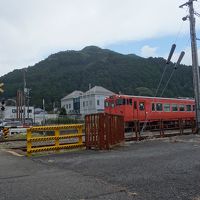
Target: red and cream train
[(150, 108)]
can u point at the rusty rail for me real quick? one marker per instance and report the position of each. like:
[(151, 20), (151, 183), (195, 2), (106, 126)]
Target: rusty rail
[(163, 126)]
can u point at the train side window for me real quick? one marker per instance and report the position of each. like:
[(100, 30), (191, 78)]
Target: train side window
[(130, 101), (159, 107), (174, 107), (124, 102), (141, 105), (181, 108), (167, 107), (112, 105), (153, 107), (135, 104), (193, 107), (119, 102), (188, 108)]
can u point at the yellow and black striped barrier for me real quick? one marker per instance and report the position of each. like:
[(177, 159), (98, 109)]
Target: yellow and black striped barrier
[(5, 132), (56, 138)]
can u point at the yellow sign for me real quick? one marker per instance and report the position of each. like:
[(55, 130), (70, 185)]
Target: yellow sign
[(1, 85)]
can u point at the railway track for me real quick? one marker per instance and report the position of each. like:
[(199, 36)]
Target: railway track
[(11, 140)]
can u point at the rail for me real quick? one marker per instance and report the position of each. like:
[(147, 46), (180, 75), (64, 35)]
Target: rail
[(78, 128)]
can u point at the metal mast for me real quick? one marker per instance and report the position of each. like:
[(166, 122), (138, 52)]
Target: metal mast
[(24, 106), (195, 66)]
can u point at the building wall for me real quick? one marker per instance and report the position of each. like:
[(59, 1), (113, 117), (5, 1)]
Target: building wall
[(100, 102), (10, 112), (68, 105), (89, 102), (92, 104)]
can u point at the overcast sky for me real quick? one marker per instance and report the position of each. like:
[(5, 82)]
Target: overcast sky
[(33, 29)]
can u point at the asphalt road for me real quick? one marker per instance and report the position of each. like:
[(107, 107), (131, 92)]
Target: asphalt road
[(156, 169)]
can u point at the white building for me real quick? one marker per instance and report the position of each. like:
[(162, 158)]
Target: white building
[(71, 102), (92, 101), (10, 112)]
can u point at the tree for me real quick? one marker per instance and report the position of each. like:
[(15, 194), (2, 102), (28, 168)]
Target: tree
[(62, 111)]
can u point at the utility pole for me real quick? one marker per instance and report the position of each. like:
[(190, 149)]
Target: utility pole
[(195, 66), (25, 91)]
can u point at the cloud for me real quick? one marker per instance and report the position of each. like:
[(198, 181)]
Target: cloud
[(33, 29), (147, 51)]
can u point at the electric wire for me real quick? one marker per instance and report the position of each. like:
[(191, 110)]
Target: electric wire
[(167, 82), (162, 76)]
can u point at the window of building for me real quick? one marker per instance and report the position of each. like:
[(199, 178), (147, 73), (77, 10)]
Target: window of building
[(181, 108), (90, 103), (14, 110), (83, 103), (29, 111), (153, 107), (188, 107), (98, 102), (69, 106), (141, 105), (174, 107), (167, 107), (86, 103), (159, 107)]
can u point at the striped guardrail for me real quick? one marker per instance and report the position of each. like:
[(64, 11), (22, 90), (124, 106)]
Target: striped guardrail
[(56, 138)]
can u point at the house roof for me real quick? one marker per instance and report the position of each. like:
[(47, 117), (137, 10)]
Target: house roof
[(99, 90), (74, 94)]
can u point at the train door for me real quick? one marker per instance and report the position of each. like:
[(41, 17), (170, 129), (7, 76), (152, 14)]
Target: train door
[(141, 110), (135, 109)]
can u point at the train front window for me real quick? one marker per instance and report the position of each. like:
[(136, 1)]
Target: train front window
[(106, 104), (167, 107), (181, 108), (188, 108), (120, 102), (159, 107), (141, 105), (174, 107)]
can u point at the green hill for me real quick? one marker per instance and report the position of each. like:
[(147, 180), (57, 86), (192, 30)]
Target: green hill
[(63, 72)]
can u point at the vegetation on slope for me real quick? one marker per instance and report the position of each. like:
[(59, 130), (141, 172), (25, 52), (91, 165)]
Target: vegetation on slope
[(66, 71)]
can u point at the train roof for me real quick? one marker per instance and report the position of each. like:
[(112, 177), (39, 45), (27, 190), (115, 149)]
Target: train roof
[(164, 98)]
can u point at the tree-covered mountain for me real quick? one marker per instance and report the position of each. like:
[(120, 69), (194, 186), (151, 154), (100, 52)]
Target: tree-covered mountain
[(63, 72)]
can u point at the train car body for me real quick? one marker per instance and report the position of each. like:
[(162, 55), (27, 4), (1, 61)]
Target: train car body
[(140, 108)]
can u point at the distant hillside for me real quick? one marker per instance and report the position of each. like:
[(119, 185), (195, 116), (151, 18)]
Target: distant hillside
[(63, 72)]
